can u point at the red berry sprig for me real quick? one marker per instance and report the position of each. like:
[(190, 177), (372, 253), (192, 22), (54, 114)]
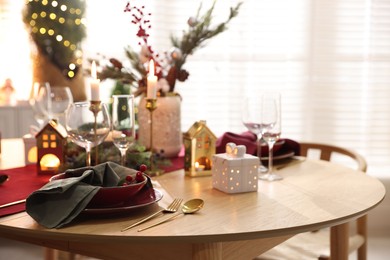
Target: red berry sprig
[(143, 168), (139, 176)]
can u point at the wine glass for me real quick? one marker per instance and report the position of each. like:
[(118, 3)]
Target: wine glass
[(271, 128), (88, 124), (123, 123), (251, 118), (39, 101), (61, 98)]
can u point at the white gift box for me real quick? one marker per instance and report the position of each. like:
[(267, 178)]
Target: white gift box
[(235, 171)]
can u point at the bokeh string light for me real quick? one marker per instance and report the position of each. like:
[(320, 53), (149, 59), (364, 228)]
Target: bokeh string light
[(57, 28)]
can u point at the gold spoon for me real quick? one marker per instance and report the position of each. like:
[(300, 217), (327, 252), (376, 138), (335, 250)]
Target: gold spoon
[(189, 207)]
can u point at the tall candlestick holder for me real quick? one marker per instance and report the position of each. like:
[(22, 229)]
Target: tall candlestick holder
[(151, 105), (95, 108)]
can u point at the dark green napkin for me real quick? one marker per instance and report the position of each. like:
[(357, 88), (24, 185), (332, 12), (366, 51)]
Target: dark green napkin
[(60, 201)]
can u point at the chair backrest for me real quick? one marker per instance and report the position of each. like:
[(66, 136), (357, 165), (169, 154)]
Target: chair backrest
[(326, 151)]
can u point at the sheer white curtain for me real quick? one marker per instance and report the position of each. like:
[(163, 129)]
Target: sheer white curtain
[(14, 48), (329, 58)]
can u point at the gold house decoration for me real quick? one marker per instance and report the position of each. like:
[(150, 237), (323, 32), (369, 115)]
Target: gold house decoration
[(199, 144), (51, 145)]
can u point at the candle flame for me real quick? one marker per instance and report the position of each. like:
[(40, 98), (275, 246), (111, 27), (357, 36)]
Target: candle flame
[(151, 68), (93, 70), (50, 161)]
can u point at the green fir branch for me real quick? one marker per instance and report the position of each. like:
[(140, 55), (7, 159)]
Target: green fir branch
[(195, 36)]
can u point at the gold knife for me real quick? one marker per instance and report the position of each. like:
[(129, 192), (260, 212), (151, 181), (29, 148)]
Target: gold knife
[(12, 203)]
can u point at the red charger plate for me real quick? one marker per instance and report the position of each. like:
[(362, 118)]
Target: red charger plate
[(110, 196)]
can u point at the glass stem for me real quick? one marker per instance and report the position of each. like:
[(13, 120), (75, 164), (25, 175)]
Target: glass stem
[(88, 155), (259, 149), (123, 156), (270, 156)]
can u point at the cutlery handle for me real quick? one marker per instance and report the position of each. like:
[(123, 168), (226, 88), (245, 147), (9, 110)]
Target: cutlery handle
[(160, 222), (142, 220), (12, 203)]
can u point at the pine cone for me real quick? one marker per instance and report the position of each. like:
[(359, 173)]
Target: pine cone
[(183, 75), (171, 78)]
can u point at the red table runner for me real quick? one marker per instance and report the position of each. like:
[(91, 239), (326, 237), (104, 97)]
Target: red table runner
[(24, 180), (177, 163), (21, 183)]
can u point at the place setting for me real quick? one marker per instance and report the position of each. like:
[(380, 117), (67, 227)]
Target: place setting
[(105, 190)]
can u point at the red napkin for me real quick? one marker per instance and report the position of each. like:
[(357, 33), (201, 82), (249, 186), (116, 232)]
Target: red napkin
[(246, 138), (21, 183), (250, 141)]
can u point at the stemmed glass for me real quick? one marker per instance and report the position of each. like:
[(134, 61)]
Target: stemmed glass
[(88, 125), (271, 128), (61, 98), (251, 118), (39, 101), (123, 123)]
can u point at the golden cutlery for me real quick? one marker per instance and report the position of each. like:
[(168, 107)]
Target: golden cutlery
[(12, 203), (173, 207), (189, 207)]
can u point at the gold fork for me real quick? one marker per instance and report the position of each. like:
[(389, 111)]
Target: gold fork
[(173, 207)]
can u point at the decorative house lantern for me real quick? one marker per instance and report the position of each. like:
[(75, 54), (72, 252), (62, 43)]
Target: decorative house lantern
[(199, 144), (235, 171), (30, 149), (51, 144)]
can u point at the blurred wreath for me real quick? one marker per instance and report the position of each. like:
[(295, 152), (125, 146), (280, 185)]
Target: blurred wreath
[(170, 67)]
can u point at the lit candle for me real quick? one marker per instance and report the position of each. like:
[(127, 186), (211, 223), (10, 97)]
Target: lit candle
[(152, 82), (199, 167), (95, 82)]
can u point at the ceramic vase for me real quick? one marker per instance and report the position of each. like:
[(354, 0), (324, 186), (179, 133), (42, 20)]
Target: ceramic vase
[(167, 135)]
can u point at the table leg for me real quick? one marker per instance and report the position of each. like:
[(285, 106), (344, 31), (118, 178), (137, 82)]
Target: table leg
[(54, 254), (339, 242), (207, 251), (50, 254)]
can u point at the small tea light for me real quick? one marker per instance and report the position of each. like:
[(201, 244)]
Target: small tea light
[(50, 162), (199, 167)]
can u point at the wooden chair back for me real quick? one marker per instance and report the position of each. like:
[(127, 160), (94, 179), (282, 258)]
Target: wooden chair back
[(325, 153)]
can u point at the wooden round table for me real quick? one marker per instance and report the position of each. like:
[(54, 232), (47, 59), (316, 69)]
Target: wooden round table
[(313, 195)]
